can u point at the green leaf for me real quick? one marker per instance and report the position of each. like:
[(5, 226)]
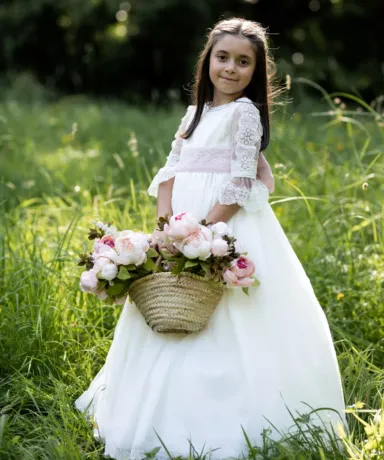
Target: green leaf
[(152, 253), (130, 267), (99, 276), (245, 290), (179, 267), (86, 259), (166, 254), (191, 263), (206, 267), (116, 289), (101, 284), (256, 282), (123, 274), (95, 233), (161, 221), (150, 265)]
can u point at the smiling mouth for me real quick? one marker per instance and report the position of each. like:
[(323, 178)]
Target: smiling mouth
[(228, 79)]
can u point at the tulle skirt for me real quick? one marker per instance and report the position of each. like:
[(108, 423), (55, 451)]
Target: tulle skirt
[(263, 359)]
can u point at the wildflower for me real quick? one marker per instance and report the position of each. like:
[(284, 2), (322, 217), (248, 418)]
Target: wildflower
[(288, 82)]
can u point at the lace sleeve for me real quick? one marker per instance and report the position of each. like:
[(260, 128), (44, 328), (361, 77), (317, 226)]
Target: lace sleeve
[(244, 189), (168, 170)]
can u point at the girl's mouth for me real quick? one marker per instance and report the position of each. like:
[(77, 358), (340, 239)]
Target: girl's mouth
[(228, 79)]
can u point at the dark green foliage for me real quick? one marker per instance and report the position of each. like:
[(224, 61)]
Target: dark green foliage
[(148, 50)]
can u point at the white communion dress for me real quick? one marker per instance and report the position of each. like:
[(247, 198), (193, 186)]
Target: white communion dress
[(260, 357)]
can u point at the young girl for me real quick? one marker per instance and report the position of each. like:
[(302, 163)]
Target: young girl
[(261, 355)]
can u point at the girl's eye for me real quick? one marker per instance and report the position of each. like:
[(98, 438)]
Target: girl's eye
[(244, 62), (221, 57)]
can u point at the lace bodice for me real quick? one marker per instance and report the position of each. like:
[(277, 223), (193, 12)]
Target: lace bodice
[(226, 140)]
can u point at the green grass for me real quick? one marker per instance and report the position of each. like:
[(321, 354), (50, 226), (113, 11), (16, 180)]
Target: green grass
[(64, 163)]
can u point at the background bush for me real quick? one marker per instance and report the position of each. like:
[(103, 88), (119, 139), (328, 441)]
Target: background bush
[(145, 50)]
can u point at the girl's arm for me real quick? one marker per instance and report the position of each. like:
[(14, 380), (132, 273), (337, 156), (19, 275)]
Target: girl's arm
[(162, 184), (264, 173), (242, 190), (222, 212), (164, 198)]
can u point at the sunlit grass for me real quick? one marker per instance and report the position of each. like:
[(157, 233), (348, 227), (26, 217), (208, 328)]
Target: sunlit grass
[(65, 163)]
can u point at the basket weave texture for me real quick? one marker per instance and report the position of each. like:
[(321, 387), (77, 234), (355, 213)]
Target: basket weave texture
[(176, 303)]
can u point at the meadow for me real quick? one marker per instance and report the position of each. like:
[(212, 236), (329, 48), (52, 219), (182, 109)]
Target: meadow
[(65, 163)]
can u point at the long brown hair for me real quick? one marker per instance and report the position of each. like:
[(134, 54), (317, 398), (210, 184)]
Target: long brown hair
[(259, 90)]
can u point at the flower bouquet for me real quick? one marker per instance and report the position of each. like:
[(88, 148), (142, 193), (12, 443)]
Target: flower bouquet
[(176, 276)]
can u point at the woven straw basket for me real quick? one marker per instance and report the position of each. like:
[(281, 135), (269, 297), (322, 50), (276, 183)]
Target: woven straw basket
[(175, 303)]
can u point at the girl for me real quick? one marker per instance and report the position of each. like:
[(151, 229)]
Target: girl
[(260, 357)]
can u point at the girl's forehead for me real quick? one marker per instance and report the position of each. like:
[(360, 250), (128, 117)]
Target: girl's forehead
[(235, 44)]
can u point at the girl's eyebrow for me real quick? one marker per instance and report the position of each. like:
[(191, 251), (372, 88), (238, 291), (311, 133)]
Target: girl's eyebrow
[(241, 55)]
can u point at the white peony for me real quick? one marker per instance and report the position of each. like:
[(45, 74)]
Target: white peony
[(109, 272), (101, 249), (88, 281), (197, 245), (131, 248), (100, 262), (219, 247), (181, 226), (220, 229)]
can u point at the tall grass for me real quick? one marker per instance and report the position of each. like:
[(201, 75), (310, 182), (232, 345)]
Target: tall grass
[(64, 163)]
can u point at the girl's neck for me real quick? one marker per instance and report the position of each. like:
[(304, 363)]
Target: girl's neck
[(222, 99)]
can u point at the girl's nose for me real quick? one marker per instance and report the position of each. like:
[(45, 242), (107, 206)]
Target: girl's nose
[(230, 67)]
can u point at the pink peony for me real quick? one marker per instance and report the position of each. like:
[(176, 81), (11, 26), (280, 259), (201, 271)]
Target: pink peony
[(101, 249), (243, 267), (181, 226), (229, 277), (108, 240), (240, 272), (244, 282), (219, 247), (232, 280), (89, 281)]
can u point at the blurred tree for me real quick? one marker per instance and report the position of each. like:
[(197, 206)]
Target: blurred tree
[(146, 49)]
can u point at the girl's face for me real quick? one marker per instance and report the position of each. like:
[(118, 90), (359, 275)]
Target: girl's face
[(231, 66)]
